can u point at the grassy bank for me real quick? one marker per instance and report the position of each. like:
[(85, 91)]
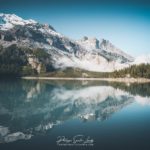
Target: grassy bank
[(126, 80)]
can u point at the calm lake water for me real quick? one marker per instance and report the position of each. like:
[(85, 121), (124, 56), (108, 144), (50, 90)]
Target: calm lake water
[(74, 115)]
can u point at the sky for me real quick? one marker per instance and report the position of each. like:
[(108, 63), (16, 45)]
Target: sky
[(125, 23)]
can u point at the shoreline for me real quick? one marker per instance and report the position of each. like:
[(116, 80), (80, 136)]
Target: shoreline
[(126, 80)]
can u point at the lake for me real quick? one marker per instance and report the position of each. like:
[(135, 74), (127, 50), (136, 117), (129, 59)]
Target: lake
[(74, 115)]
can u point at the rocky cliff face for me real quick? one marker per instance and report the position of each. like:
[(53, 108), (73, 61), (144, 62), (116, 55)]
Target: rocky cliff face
[(89, 54)]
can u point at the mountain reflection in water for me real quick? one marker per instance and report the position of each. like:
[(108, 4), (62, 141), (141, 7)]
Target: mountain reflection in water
[(28, 108)]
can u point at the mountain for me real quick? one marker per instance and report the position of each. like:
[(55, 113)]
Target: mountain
[(145, 59), (43, 47)]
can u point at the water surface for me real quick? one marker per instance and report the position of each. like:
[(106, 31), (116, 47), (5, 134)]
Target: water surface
[(35, 114)]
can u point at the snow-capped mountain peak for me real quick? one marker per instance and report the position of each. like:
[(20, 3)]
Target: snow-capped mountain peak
[(8, 21), (89, 43), (105, 47)]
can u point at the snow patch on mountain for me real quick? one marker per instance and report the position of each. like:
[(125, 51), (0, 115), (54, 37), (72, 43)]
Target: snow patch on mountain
[(89, 43), (104, 47), (97, 63), (9, 20), (143, 59)]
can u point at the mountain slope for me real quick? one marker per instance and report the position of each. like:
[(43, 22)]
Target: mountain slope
[(87, 54), (145, 59)]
